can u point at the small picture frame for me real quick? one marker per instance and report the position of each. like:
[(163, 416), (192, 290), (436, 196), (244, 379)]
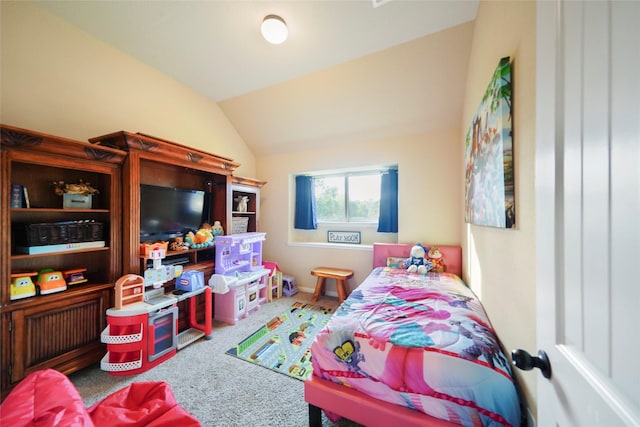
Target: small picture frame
[(350, 237)]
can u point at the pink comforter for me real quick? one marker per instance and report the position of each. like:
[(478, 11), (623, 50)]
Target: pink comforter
[(423, 342)]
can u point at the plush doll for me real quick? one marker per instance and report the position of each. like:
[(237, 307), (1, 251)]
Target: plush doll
[(203, 238), (189, 240), (178, 244), (435, 256), (217, 229), (417, 261)]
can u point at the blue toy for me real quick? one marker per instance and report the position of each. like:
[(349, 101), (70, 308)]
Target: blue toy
[(190, 281), (417, 261)]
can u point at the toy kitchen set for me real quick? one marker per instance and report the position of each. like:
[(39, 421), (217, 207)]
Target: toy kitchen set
[(240, 281), (142, 328)]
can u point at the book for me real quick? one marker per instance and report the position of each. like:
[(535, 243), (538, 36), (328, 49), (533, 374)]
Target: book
[(26, 197), (16, 195), (33, 250)]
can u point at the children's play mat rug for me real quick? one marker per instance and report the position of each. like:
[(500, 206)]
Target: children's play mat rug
[(282, 345)]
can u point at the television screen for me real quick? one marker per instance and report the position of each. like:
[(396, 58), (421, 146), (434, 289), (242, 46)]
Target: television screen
[(167, 212)]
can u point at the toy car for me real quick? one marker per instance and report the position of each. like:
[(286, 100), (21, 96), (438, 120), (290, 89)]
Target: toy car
[(21, 285), (75, 277), (50, 281)]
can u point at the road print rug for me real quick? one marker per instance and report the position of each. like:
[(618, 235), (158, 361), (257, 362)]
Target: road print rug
[(282, 344)]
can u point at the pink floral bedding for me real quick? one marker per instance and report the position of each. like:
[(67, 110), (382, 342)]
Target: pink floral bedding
[(421, 341)]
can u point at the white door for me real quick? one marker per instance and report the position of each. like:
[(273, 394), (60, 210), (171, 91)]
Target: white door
[(588, 211)]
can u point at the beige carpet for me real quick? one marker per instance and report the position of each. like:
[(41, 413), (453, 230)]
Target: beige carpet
[(218, 389)]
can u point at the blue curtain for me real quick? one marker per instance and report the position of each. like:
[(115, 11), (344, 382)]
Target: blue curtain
[(388, 220), (305, 215)]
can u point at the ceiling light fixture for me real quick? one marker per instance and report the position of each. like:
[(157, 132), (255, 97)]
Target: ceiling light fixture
[(274, 29)]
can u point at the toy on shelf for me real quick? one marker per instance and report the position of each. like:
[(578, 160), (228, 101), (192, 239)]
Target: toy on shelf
[(203, 238), (21, 284), (178, 244), (217, 229), (243, 203), (159, 274), (147, 247), (75, 277), (50, 281)]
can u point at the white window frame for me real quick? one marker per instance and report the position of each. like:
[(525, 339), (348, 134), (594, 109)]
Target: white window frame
[(345, 175)]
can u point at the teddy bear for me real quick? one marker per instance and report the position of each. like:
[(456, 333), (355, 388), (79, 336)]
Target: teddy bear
[(435, 256), (178, 244), (417, 261)]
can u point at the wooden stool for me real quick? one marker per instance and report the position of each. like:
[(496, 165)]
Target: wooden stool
[(339, 274)]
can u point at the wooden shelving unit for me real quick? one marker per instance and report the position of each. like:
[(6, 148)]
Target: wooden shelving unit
[(31, 326), (156, 161), (250, 188), (117, 164)]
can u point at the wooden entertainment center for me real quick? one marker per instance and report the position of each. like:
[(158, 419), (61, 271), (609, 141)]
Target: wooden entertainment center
[(62, 330)]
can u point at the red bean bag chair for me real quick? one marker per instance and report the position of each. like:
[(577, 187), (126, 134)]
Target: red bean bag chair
[(48, 398)]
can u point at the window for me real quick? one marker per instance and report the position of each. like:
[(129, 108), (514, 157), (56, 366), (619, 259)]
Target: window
[(347, 200), (348, 197)]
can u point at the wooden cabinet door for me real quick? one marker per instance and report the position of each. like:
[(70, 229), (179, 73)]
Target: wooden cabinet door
[(64, 334)]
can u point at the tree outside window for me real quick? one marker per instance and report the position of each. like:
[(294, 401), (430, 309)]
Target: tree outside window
[(348, 197)]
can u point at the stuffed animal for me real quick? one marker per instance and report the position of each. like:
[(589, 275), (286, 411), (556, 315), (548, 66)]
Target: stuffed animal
[(189, 240), (417, 261), (217, 229), (435, 256), (203, 237), (178, 244)]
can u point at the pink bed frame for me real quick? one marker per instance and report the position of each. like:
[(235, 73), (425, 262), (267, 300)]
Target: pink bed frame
[(351, 404)]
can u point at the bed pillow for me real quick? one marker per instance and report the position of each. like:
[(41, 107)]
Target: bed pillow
[(395, 262)]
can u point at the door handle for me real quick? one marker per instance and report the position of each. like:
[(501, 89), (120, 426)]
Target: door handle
[(523, 360)]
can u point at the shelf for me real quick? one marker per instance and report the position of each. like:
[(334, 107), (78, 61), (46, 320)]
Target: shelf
[(57, 297), (58, 210), (75, 251), (187, 337), (184, 252)]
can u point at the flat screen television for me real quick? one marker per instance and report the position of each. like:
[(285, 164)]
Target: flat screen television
[(166, 212)]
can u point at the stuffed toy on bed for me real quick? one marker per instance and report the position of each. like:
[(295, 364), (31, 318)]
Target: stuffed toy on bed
[(435, 256), (417, 261)]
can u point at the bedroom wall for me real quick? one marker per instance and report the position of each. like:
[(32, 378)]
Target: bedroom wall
[(499, 264), (60, 80), (429, 196)]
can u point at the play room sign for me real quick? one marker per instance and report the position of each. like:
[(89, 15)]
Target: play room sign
[(352, 237)]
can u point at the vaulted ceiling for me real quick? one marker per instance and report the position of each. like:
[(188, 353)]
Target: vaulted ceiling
[(348, 72)]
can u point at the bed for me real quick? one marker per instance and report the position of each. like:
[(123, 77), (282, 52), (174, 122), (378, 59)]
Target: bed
[(411, 350)]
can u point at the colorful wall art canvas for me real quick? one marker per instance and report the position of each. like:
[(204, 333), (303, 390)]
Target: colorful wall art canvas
[(489, 181)]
